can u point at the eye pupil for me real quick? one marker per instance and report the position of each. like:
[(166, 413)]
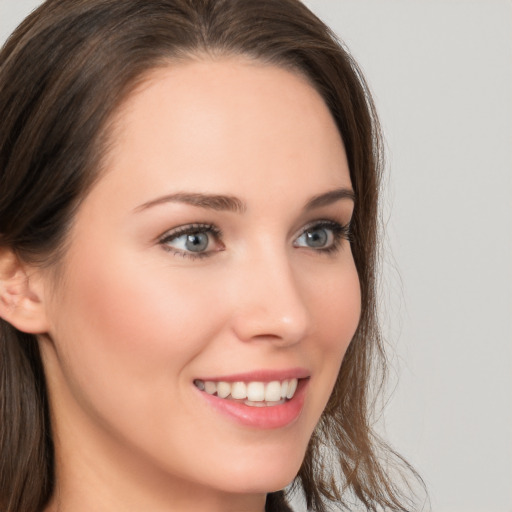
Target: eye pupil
[(317, 238), (197, 242)]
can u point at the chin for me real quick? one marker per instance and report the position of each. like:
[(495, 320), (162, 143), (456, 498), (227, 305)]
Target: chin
[(263, 474), (262, 484)]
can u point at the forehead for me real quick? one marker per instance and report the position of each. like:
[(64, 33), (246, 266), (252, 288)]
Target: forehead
[(225, 121)]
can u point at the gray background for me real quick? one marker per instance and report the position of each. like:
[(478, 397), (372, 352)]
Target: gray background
[(441, 73)]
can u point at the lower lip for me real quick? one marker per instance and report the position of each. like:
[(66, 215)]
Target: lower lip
[(269, 417)]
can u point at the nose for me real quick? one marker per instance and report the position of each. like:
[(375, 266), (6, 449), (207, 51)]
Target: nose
[(269, 302)]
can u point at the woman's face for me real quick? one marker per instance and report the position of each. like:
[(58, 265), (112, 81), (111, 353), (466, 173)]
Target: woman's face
[(212, 251)]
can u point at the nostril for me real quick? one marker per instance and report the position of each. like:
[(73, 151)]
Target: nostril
[(267, 323)]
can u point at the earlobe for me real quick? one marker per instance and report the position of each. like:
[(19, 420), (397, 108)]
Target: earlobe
[(21, 295)]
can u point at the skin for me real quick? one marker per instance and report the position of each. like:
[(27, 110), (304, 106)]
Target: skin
[(132, 321)]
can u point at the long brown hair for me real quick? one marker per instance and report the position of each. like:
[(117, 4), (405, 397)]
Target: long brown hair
[(63, 73)]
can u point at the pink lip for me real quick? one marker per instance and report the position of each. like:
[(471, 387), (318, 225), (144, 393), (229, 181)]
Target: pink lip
[(271, 417), (261, 376)]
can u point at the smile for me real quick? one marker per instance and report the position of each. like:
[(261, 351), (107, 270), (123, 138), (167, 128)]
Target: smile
[(254, 393)]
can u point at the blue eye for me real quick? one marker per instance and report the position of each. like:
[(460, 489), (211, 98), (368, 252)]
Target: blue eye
[(194, 240), (318, 238), (323, 236)]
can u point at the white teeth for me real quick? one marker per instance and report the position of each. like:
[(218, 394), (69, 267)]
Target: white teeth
[(284, 388), (238, 390), (255, 393), (223, 389), (292, 386), (273, 391), (255, 404), (210, 387)]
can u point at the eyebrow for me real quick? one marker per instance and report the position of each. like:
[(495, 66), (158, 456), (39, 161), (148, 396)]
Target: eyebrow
[(330, 197), (233, 204), (208, 201)]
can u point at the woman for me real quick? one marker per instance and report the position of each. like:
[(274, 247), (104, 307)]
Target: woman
[(188, 210)]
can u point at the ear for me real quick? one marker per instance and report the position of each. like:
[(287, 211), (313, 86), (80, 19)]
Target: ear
[(21, 294)]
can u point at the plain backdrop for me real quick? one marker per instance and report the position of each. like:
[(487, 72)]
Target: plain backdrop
[(441, 74)]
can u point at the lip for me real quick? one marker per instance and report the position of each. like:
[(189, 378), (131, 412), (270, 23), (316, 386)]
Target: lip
[(271, 417), (261, 376)]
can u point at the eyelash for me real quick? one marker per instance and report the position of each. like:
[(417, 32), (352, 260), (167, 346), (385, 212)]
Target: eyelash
[(189, 229), (340, 232)]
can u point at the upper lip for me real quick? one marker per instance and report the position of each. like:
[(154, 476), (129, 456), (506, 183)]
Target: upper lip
[(261, 375)]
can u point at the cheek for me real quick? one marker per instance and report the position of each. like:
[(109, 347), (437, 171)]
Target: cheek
[(335, 307), (142, 308), (126, 330)]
